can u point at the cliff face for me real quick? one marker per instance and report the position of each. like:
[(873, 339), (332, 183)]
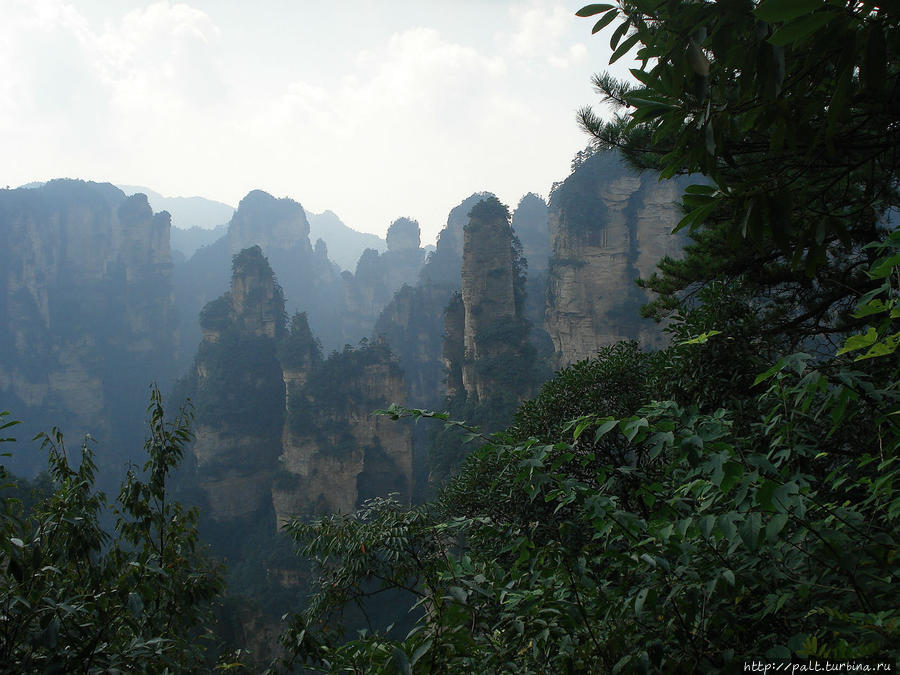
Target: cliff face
[(85, 308), (608, 226), (379, 276), (444, 263), (335, 452), (486, 350), (270, 223), (413, 325), (239, 391), (488, 293), (530, 225), (310, 281), (412, 321), (278, 427)]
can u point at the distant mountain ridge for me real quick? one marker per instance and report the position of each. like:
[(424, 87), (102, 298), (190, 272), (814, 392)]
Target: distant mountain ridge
[(198, 221), (345, 245), (186, 212)]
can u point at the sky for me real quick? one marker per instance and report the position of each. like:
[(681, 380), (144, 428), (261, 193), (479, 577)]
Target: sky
[(374, 110)]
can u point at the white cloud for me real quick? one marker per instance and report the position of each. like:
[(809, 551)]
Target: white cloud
[(406, 119), (538, 34)]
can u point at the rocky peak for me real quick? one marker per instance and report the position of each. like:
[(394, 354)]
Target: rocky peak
[(86, 316), (335, 452), (494, 333), (404, 235), (299, 353), (253, 307), (257, 299), (488, 274), (443, 264), (271, 223), (379, 276)]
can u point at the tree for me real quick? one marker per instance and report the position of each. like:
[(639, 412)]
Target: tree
[(789, 111), (76, 598), (759, 515)]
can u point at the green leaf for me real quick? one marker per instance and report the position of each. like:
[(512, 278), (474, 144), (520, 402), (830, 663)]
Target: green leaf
[(775, 526), (777, 368), (604, 22), (420, 651), (732, 472), (624, 48), (639, 600), (728, 575), (618, 34), (875, 306), (401, 661), (855, 342), (604, 429), (633, 427), (702, 338), (800, 28), (591, 10), (883, 268), (785, 10), (726, 525), (700, 189), (697, 59), (750, 530)]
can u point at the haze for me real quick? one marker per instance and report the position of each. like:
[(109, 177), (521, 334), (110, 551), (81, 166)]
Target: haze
[(371, 110)]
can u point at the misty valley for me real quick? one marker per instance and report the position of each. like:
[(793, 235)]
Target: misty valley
[(645, 423)]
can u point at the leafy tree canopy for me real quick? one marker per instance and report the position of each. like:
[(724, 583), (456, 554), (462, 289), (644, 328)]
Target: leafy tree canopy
[(77, 598), (790, 111)]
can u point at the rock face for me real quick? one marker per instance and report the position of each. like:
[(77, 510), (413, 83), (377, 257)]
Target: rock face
[(278, 427), (413, 325), (454, 348), (86, 317), (335, 452), (310, 281), (486, 347), (413, 321), (608, 226), (489, 278), (444, 263), (530, 224), (379, 276), (261, 220), (239, 391)]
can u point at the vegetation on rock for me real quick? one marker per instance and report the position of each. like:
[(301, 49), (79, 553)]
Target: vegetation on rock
[(738, 500), (79, 599)]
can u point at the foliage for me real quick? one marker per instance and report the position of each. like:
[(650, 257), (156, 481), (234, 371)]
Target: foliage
[(243, 389), (786, 109), (777, 541), (300, 348), (577, 195), (77, 599), (217, 314), (337, 388), (738, 501)]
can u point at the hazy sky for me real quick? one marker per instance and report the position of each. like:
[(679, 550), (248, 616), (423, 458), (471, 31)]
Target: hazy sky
[(374, 110)]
